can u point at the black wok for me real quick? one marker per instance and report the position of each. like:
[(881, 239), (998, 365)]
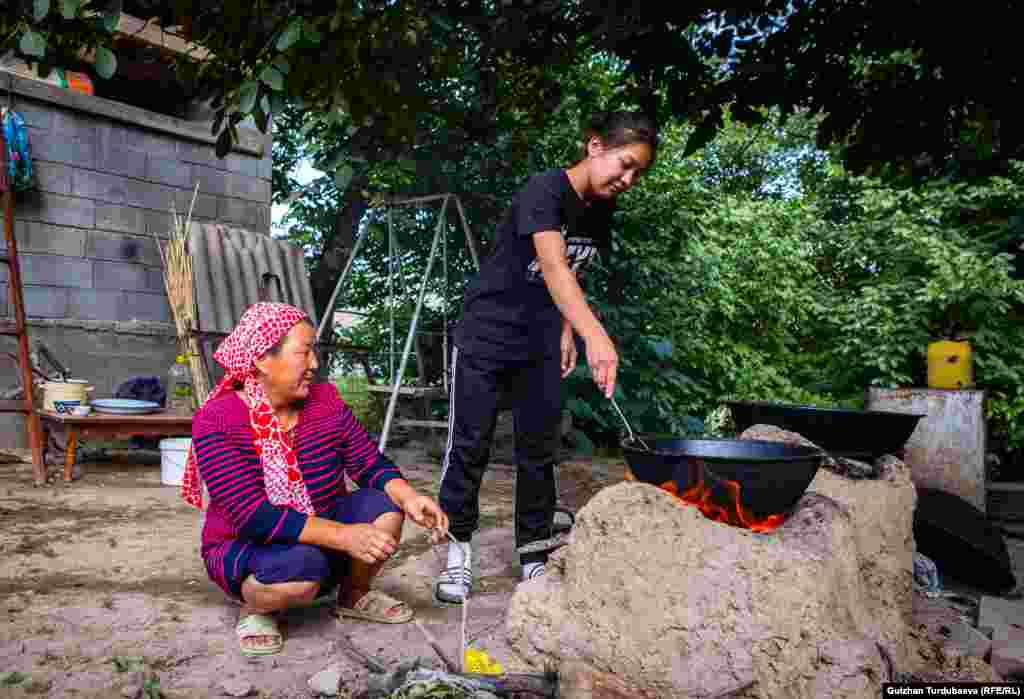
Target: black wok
[(856, 434), (772, 475)]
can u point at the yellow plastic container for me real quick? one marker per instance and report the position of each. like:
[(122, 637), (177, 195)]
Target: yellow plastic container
[(950, 365)]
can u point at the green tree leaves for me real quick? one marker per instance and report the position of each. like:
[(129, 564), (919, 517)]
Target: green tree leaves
[(247, 94), (40, 8), (69, 8), (33, 44), (106, 62), (291, 35)]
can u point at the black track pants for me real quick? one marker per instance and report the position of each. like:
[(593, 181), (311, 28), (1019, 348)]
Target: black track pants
[(535, 387)]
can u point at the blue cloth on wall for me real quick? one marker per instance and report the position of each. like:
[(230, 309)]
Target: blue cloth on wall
[(17, 152)]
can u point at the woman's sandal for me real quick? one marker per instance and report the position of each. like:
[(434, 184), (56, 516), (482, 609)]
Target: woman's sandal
[(374, 606), (256, 626)]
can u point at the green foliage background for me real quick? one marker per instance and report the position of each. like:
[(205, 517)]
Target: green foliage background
[(755, 268)]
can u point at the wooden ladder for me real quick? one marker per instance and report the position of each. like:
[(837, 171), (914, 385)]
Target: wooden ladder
[(17, 328)]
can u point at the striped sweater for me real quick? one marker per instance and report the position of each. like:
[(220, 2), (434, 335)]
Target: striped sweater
[(328, 442)]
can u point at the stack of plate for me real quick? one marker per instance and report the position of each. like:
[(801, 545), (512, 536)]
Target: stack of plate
[(124, 406)]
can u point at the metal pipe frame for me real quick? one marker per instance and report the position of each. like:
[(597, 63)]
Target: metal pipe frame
[(407, 349)]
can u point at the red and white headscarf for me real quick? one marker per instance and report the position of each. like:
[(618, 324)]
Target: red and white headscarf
[(262, 326)]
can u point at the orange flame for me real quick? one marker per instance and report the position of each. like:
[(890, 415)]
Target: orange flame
[(733, 512)]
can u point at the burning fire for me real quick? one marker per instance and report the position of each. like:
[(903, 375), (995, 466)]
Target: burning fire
[(732, 513)]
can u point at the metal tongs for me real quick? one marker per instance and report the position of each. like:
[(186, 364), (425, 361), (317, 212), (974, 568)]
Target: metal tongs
[(632, 437)]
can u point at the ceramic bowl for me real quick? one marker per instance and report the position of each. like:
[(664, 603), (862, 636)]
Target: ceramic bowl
[(64, 407)]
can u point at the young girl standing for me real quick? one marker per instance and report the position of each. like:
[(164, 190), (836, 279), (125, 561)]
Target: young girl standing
[(516, 337)]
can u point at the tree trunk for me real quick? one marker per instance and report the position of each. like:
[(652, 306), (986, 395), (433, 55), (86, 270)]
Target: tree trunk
[(333, 257)]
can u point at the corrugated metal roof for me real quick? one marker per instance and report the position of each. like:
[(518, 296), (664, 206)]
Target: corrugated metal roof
[(228, 266)]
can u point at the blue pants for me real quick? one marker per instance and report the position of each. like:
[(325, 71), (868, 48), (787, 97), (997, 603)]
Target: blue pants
[(280, 563)]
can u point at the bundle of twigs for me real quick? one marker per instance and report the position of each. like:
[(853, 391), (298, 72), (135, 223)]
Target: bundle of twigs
[(177, 269)]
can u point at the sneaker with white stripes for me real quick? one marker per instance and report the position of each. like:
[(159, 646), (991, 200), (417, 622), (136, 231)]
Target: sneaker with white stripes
[(533, 570), (455, 582)]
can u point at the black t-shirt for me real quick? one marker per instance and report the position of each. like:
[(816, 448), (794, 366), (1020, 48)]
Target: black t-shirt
[(508, 311)]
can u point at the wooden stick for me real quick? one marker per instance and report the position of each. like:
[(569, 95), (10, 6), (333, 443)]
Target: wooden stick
[(448, 664), (371, 663)]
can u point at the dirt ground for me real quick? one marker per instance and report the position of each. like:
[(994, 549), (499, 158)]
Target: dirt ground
[(102, 576)]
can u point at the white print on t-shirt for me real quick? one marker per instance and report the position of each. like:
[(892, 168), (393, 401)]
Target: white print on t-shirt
[(579, 252)]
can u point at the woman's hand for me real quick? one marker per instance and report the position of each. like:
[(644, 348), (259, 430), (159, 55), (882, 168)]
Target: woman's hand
[(603, 361), (366, 543), (568, 349), (428, 514)]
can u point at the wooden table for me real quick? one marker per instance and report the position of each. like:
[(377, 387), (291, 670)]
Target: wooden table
[(162, 424)]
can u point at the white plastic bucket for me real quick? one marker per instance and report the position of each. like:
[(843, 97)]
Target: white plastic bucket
[(173, 455)]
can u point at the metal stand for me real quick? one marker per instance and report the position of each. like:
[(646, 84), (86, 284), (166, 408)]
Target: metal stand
[(439, 241)]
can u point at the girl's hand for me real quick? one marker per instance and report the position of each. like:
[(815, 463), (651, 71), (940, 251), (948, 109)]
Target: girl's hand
[(428, 514), (569, 353), (604, 362)]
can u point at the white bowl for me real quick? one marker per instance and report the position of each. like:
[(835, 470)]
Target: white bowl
[(81, 410)]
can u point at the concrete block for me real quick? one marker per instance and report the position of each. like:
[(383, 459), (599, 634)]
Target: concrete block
[(255, 217), (52, 177), (167, 171), (157, 223), (122, 161), (123, 276), (122, 248), (45, 301), (200, 154), (100, 186), (211, 180), (149, 195), (33, 236), (947, 449), (144, 346), (267, 165), (35, 114), (249, 188), (93, 304), (73, 125), (13, 431), (127, 219), (53, 270), (244, 164), (47, 145), (207, 205), (160, 146), (68, 344), (139, 306), (156, 278), (57, 209), (112, 134)]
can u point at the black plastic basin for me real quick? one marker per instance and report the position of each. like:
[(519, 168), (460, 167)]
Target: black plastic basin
[(772, 475), (850, 433)]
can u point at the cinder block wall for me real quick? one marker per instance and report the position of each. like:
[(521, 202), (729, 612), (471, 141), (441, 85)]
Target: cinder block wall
[(93, 286)]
